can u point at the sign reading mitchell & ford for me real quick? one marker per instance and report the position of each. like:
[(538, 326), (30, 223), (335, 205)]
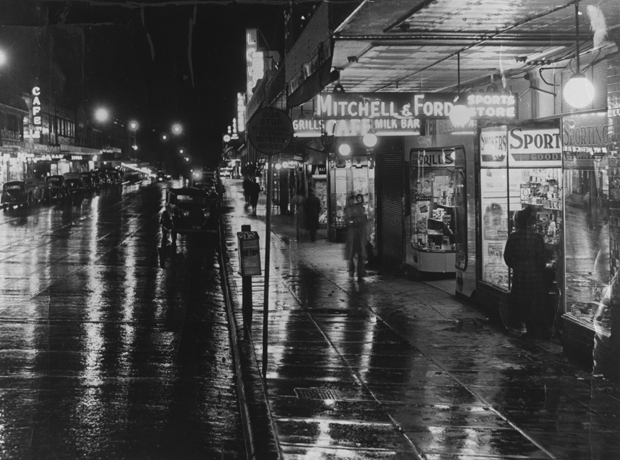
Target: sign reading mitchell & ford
[(270, 130), (351, 114)]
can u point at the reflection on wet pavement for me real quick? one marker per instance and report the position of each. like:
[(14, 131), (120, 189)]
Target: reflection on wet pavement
[(104, 351), (391, 368)]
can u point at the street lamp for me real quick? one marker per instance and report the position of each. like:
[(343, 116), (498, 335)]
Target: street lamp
[(177, 129), (133, 125), (3, 57), (102, 115)]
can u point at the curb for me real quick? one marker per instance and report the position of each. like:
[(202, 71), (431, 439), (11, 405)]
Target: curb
[(254, 406)]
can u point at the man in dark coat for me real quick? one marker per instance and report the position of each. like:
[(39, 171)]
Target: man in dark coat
[(525, 254), (312, 209), (254, 191)]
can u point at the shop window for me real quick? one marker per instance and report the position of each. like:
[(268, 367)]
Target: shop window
[(437, 227), (588, 274)]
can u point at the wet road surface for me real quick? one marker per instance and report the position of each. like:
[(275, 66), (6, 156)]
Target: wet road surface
[(110, 347), (391, 368)]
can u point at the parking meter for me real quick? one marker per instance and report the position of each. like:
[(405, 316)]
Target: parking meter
[(249, 265), (249, 252)]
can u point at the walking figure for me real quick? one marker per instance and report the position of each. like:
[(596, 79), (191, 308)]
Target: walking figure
[(356, 223), (254, 191)]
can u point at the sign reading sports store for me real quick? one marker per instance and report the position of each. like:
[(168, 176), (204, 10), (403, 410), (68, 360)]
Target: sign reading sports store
[(395, 114)]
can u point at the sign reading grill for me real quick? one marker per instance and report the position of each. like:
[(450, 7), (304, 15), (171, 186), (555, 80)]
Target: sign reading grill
[(270, 131)]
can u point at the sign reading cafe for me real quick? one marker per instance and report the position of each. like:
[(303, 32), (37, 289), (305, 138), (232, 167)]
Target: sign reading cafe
[(354, 114), (37, 119)]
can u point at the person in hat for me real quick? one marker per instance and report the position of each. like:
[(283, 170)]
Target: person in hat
[(525, 255)]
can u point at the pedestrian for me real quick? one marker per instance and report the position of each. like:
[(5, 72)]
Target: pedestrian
[(300, 214), (355, 248), (312, 211), (254, 192), (247, 184), (525, 255)]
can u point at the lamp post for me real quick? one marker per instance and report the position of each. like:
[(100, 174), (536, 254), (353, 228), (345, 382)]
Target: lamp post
[(133, 126)]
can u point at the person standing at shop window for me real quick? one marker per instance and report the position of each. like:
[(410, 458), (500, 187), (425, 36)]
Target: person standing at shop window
[(355, 249), (525, 255), (312, 210)]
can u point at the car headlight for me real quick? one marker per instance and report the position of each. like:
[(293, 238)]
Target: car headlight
[(184, 213)]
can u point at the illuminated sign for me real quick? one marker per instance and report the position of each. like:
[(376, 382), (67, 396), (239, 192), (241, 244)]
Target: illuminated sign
[(357, 127), (536, 148), (255, 63), (241, 112), (586, 137), (36, 107), (398, 106)]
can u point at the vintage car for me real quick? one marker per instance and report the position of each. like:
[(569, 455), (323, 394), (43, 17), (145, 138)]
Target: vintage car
[(55, 187), (74, 183), (114, 176), (87, 179), (96, 180), (21, 193), (188, 210)]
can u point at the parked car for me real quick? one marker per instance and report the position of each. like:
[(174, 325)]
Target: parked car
[(188, 210), (114, 176), (96, 180), (103, 177), (88, 181), (21, 193), (74, 183), (55, 187)]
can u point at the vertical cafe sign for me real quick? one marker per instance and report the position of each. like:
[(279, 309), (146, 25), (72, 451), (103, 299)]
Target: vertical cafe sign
[(37, 118)]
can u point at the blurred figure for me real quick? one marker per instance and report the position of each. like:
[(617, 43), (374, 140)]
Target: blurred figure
[(247, 184), (254, 192), (300, 214), (356, 223), (312, 211), (525, 254)]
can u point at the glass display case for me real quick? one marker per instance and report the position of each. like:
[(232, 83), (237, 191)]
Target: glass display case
[(436, 183), (354, 176), (588, 274), (514, 175)]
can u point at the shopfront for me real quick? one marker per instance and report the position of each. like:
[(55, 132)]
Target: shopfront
[(519, 165), (440, 207), (586, 232), (353, 175)]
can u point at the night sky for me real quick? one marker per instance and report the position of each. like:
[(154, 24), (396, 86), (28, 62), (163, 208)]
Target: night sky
[(134, 57)]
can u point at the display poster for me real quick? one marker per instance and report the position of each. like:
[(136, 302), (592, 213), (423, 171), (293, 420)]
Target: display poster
[(360, 182), (320, 189), (340, 195), (535, 148), (586, 140), (493, 147), (495, 226)]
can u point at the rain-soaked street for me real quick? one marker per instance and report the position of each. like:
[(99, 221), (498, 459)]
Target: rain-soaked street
[(113, 346), (109, 347), (392, 368)]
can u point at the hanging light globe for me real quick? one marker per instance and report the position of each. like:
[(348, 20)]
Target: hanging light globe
[(460, 115), (579, 91), (344, 149), (369, 139)]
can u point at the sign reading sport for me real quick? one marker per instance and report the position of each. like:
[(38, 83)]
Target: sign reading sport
[(270, 131)]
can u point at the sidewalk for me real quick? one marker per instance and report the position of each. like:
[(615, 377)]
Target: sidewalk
[(392, 368)]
